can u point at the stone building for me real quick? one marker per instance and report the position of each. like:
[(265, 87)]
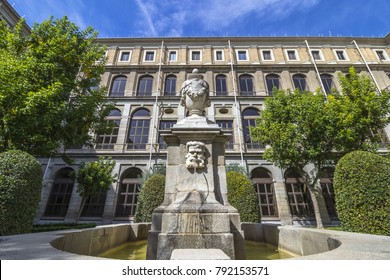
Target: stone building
[(143, 77), (11, 16)]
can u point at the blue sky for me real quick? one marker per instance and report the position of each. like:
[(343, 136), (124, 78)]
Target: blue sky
[(173, 18)]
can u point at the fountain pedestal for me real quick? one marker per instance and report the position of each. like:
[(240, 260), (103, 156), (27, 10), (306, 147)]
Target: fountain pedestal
[(195, 213)]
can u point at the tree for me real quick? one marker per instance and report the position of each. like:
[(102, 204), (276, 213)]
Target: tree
[(303, 129), (94, 177), (49, 95)]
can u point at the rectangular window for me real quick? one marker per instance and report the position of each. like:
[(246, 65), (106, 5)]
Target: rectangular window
[(242, 55), (124, 56), (340, 55), (227, 125), (196, 55), (291, 55), (316, 55), (267, 55), (219, 55), (172, 56), (165, 126), (381, 55), (149, 56)]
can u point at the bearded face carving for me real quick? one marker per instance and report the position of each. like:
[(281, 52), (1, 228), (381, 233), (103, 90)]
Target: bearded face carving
[(195, 155)]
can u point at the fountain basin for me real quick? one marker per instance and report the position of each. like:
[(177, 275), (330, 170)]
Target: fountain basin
[(305, 243)]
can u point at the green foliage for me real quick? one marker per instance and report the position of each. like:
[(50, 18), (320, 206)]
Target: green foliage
[(297, 128), (362, 192), (303, 128), (150, 197), (157, 169), (95, 176), (61, 226), (236, 167), (242, 196), (49, 96), (20, 190)]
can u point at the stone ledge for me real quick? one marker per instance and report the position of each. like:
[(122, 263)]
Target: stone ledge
[(198, 254)]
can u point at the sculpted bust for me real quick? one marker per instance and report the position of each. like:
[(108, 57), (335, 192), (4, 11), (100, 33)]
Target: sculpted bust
[(195, 94)]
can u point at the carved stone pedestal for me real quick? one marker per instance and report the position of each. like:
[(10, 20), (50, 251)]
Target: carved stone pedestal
[(195, 213)]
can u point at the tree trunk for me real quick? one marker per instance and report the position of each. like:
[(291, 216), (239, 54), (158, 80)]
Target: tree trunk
[(83, 200), (317, 213)]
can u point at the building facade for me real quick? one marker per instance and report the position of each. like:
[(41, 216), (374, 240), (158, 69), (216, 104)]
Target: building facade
[(11, 16), (143, 78)]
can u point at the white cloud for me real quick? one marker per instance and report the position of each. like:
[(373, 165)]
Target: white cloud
[(171, 17), (153, 18), (148, 10), (38, 12), (222, 13)]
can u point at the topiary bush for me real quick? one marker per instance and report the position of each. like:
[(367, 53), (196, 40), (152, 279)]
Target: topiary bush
[(151, 196), (362, 193), (20, 191), (242, 195)]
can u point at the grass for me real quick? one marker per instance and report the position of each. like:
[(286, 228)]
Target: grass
[(60, 226), (338, 228)]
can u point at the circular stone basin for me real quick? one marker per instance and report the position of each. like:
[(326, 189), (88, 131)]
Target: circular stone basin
[(137, 251)]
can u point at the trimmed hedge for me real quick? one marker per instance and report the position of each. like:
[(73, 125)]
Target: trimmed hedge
[(242, 195), (20, 191), (362, 193), (151, 196)]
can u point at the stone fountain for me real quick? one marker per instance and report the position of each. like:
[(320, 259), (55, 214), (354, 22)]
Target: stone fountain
[(195, 213)]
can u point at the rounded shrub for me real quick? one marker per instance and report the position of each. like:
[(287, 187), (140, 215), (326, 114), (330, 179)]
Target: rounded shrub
[(20, 191), (151, 196), (362, 193), (242, 195)]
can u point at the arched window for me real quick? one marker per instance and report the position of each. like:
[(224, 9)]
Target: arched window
[(327, 82), (139, 130), (298, 195), (60, 193), (118, 86), (246, 85), (129, 188), (109, 139), (326, 182), (299, 81), (273, 82), (264, 186), (220, 85), (170, 85), (145, 85), (249, 117)]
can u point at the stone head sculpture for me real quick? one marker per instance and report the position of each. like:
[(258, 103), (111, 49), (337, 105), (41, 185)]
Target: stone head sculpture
[(195, 94), (195, 155)]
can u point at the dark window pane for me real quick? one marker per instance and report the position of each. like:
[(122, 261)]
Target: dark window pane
[(273, 82), (118, 86), (220, 85), (170, 86), (145, 86), (246, 85)]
